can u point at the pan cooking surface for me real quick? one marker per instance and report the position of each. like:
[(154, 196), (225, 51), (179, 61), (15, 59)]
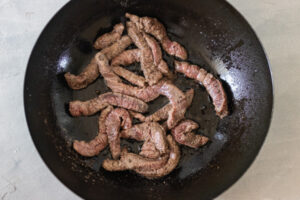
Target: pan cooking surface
[(216, 37)]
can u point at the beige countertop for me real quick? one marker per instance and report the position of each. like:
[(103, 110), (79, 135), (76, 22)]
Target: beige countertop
[(274, 175)]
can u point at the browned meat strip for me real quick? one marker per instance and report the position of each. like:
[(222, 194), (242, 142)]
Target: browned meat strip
[(213, 86), (130, 76), (137, 115), (127, 57), (172, 162), (178, 102), (148, 131), (115, 83), (155, 28), (183, 134), (113, 124), (90, 107), (149, 151), (91, 72), (96, 145), (87, 76), (151, 73), (131, 161), (157, 56), (162, 114), (108, 38)]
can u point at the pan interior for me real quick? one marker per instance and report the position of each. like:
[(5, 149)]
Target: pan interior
[(217, 38)]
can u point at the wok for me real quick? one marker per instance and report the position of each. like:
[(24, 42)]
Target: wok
[(217, 38)]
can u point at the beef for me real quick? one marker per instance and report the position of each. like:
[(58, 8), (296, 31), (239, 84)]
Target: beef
[(157, 56), (90, 107), (115, 83), (151, 73), (148, 131), (162, 114), (131, 161), (212, 85), (108, 38), (178, 102), (183, 134), (91, 71), (127, 57), (113, 123), (96, 145), (155, 28), (172, 162), (149, 150), (130, 76), (137, 115)]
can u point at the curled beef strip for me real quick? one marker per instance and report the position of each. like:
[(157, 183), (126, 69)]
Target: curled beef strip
[(138, 116), (90, 107), (183, 134), (108, 38), (155, 28), (148, 131), (151, 73), (162, 114), (149, 151), (212, 85), (157, 56), (131, 161), (113, 123), (91, 71), (96, 145), (178, 102), (130, 76), (116, 85), (172, 162), (127, 57)]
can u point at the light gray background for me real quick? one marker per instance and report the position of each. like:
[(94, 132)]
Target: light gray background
[(275, 173)]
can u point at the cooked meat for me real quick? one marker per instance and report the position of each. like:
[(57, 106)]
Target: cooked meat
[(108, 38), (137, 115), (130, 76), (183, 134), (157, 56), (115, 83), (131, 161), (155, 28), (127, 57), (162, 114), (113, 124), (91, 72), (172, 162), (90, 107), (151, 73), (149, 151), (87, 76), (213, 86), (148, 131), (96, 145), (178, 102)]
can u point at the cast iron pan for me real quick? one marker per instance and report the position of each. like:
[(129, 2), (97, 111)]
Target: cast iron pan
[(216, 37)]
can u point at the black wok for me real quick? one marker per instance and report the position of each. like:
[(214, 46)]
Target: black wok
[(216, 37)]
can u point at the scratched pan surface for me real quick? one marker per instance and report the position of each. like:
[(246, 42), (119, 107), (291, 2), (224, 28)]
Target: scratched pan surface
[(216, 37)]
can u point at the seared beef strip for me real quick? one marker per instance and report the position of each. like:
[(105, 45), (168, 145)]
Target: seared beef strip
[(151, 73), (213, 86), (172, 162), (149, 151), (108, 38), (130, 76), (155, 28), (91, 71), (148, 131), (113, 124), (183, 134), (137, 115), (162, 114), (90, 107), (127, 57), (115, 83), (96, 145), (131, 161)]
